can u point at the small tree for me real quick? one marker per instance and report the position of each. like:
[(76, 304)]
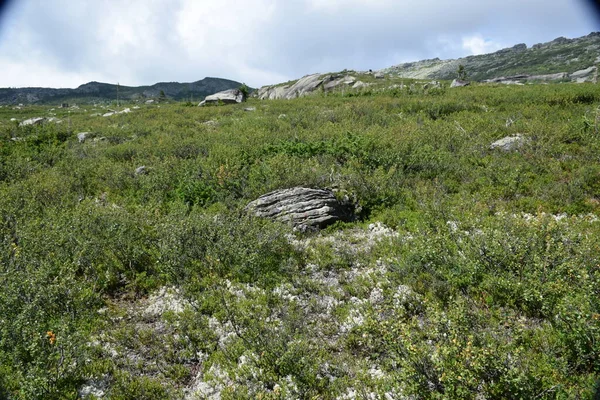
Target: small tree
[(245, 90), (461, 73), (162, 95)]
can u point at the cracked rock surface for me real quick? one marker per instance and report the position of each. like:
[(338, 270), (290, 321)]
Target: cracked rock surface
[(304, 208)]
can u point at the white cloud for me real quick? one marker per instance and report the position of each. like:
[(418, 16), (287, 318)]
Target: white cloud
[(476, 44)]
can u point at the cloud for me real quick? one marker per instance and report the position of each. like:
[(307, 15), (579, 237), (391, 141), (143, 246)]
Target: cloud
[(57, 42), (476, 44)]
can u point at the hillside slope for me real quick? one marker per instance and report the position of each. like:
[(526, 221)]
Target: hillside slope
[(559, 55)]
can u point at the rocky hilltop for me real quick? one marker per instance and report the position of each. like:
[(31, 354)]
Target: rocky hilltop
[(561, 56), (97, 91), (562, 60)]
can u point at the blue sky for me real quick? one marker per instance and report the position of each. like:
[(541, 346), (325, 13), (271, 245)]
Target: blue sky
[(60, 43)]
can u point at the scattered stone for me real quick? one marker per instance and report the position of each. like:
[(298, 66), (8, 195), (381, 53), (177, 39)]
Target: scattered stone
[(379, 75), (82, 136), (459, 83), (304, 208), (142, 170), (149, 101), (250, 109), (432, 85), (282, 116), (508, 143), (359, 85), (94, 389), (109, 114), (231, 96), (33, 121)]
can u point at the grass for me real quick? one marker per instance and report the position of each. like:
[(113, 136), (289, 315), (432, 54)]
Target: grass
[(469, 272)]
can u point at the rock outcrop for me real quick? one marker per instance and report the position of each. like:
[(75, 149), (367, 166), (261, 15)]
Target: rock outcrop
[(304, 208), (305, 86), (231, 96), (558, 56), (584, 75)]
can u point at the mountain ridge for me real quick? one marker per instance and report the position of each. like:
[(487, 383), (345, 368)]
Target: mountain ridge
[(95, 91), (560, 55)]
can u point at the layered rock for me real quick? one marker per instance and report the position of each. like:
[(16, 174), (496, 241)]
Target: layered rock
[(304, 208), (305, 86)]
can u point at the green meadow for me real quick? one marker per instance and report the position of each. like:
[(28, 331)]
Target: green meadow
[(468, 273)]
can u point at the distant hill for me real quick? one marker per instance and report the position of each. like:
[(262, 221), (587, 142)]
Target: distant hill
[(561, 55), (98, 92)]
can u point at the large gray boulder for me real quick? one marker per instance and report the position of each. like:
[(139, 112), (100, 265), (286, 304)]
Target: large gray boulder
[(459, 83), (304, 208), (231, 96)]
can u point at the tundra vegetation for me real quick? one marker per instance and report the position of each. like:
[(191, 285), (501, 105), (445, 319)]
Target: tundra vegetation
[(469, 272)]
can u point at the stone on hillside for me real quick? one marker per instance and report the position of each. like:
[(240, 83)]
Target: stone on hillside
[(508, 143), (82, 136), (359, 85), (142, 170), (379, 75), (302, 87), (33, 121), (459, 83), (149, 101), (250, 109), (584, 75), (231, 96), (345, 80), (304, 208), (108, 114), (432, 85)]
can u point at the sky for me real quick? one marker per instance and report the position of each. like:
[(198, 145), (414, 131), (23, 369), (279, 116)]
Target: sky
[(66, 43)]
